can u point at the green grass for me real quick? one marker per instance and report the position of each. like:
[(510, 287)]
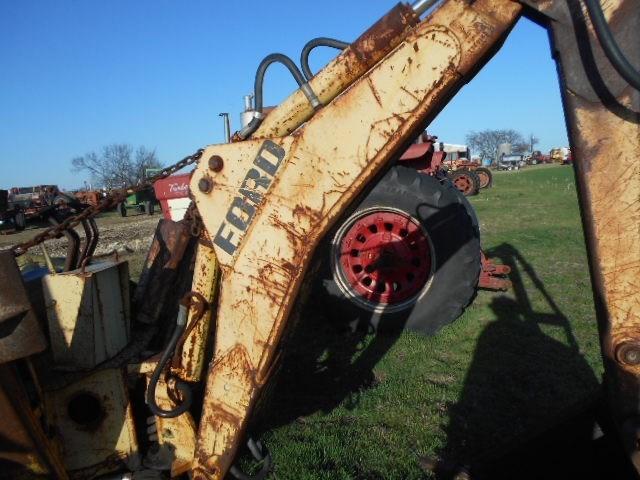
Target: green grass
[(356, 406)]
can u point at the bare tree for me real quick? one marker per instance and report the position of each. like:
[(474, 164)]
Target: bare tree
[(486, 142), (117, 165)]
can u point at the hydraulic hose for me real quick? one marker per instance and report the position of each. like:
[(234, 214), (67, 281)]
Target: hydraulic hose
[(184, 389), (317, 42), (259, 84), (610, 46)]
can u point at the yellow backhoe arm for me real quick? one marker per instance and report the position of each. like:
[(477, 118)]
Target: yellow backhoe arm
[(274, 198), (268, 201)]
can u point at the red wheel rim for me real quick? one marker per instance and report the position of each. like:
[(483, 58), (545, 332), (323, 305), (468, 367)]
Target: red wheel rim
[(385, 257), (464, 183)]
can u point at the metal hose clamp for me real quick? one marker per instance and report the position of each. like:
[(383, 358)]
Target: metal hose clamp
[(311, 96)]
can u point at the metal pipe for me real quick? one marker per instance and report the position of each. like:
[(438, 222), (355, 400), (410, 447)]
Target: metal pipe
[(421, 6), (248, 103), (247, 115), (227, 126)]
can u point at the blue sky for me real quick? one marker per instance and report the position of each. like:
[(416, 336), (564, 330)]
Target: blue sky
[(77, 75)]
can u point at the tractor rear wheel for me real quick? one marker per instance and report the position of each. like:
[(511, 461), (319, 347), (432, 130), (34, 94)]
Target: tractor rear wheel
[(485, 176), (122, 209), (466, 181), (20, 221), (407, 257)]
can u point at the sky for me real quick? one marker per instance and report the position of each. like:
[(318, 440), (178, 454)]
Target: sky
[(76, 75)]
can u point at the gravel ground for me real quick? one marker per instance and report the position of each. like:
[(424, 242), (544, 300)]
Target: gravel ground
[(128, 236)]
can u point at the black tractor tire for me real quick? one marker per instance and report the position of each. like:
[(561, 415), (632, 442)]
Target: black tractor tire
[(452, 229), (476, 180), (20, 221), (122, 209), (148, 207), (466, 181), (485, 176)]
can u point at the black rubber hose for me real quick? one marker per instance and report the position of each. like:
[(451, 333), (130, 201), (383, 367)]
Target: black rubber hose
[(318, 42), (184, 389), (262, 69), (259, 83), (610, 46)]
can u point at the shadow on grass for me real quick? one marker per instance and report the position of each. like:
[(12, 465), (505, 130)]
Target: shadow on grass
[(326, 361), (529, 407)]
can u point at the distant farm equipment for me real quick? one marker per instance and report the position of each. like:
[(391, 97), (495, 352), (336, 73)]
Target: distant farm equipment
[(143, 201), (10, 217), (561, 155), (33, 200), (511, 162), (89, 197), (20, 205), (538, 157), (468, 176)]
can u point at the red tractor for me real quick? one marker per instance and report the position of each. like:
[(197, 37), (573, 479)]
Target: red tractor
[(468, 176), (538, 157)]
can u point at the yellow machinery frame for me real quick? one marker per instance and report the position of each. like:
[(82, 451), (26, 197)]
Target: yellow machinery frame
[(266, 202)]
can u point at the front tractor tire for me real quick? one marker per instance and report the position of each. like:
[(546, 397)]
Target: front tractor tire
[(485, 176), (407, 257), (466, 181)]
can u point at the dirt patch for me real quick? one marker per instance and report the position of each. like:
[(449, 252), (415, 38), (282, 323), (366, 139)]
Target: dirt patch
[(128, 235)]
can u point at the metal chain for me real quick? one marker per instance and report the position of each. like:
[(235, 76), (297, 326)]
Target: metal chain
[(193, 219), (111, 200)]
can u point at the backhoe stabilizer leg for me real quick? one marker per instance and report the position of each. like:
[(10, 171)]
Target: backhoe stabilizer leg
[(602, 112)]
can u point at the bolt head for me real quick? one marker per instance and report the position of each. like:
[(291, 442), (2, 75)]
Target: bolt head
[(628, 353), (205, 185), (216, 163), (632, 356)]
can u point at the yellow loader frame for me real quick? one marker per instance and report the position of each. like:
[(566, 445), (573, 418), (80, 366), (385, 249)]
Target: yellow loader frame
[(266, 202)]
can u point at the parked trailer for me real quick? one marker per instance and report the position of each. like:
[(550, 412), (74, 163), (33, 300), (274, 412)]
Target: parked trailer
[(10, 216), (33, 200)]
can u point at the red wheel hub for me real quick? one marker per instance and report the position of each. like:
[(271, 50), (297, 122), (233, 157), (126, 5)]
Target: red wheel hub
[(464, 183), (385, 257)]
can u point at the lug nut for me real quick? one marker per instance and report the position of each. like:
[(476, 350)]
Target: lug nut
[(628, 353), (215, 163), (205, 185)]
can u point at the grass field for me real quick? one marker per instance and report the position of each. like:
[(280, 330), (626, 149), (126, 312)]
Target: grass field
[(357, 406)]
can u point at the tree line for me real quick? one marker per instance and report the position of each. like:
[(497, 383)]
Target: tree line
[(485, 142), (119, 164), (116, 165)]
